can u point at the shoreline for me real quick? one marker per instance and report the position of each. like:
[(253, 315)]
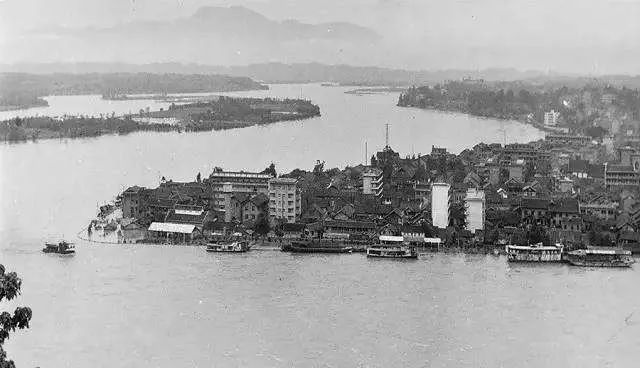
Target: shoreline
[(538, 126)]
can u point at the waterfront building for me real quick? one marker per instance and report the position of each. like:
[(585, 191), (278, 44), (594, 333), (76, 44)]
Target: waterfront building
[(184, 214), (551, 118), (567, 139), (285, 199), (372, 182), (523, 151), (475, 205), (599, 206), (440, 198), (171, 232), (620, 176), (225, 184), (246, 208), (132, 202)]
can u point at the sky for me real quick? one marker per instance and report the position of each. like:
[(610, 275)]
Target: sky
[(586, 36)]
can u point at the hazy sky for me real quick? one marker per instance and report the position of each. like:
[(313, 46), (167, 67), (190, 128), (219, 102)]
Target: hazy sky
[(595, 36)]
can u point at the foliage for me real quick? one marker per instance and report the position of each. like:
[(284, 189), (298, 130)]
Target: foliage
[(262, 226), (271, 170), (458, 215), (538, 234), (10, 285)]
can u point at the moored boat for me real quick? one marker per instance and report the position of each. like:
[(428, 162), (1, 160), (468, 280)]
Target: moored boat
[(534, 253), (316, 247), (392, 247), (231, 247), (62, 247), (598, 257)]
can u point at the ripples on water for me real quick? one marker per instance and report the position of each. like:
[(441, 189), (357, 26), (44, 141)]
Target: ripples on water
[(140, 306)]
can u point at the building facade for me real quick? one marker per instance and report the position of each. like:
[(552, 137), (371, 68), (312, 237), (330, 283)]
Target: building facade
[(285, 199), (551, 118), (475, 204), (440, 197), (225, 184), (372, 182)]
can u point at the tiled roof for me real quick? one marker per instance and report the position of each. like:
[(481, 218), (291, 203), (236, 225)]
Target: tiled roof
[(534, 203)]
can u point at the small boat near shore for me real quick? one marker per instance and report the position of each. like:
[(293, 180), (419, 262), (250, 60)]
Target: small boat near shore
[(229, 247), (600, 258), (392, 247), (316, 247), (534, 253), (62, 247)]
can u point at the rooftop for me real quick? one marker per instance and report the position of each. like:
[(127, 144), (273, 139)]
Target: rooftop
[(169, 227)]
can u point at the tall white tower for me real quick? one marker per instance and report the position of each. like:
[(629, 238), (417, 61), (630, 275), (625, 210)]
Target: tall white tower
[(440, 204)]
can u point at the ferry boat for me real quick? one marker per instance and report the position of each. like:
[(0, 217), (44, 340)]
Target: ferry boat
[(392, 247), (600, 258), (232, 247), (62, 247), (316, 247), (534, 253)]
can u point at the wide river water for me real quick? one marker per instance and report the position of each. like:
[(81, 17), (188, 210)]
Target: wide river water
[(161, 306)]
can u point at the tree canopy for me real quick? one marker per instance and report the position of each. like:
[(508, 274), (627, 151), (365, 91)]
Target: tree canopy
[(10, 285)]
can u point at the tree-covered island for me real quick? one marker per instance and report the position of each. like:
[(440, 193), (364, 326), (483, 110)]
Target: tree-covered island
[(215, 114)]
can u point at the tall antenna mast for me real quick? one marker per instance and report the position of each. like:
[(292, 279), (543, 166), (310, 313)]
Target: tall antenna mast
[(387, 135), (366, 153)]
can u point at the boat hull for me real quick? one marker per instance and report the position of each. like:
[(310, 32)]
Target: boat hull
[(394, 252), (527, 254), (316, 247), (582, 263), (228, 248), (296, 249)]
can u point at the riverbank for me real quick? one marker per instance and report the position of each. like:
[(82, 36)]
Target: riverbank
[(220, 113)]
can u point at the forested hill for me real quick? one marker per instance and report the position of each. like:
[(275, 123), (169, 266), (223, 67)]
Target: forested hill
[(24, 90)]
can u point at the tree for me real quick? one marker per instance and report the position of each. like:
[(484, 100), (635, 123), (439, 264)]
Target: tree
[(199, 178), (458, 215), (262, 227), (10, 285), (271, 170)]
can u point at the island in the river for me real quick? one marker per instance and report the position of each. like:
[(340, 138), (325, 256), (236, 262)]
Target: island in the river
[(23, 90), (217, 113)]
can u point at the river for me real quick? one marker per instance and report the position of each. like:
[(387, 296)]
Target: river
[(140, 306)]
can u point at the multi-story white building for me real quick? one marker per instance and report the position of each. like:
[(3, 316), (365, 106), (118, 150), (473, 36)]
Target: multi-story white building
[(285, 200), (226, 184), (440, 197), (551, 118), (475, 205), (372, 182)]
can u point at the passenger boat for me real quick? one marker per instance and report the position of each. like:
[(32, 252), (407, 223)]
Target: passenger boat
[(534, 253), (62, 247), (392, 247), (316, 247), (232, 247), (600, 258)]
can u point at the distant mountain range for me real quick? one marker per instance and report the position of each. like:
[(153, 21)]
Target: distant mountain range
[(212, 35)]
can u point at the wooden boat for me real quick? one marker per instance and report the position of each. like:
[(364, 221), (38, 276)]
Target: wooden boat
[(316, 247), (598, 257), (392, 247), (62, 247), (231, 247), (534, 253)]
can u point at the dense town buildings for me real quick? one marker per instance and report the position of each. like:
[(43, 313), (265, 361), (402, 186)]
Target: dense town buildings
[(566, 188)]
